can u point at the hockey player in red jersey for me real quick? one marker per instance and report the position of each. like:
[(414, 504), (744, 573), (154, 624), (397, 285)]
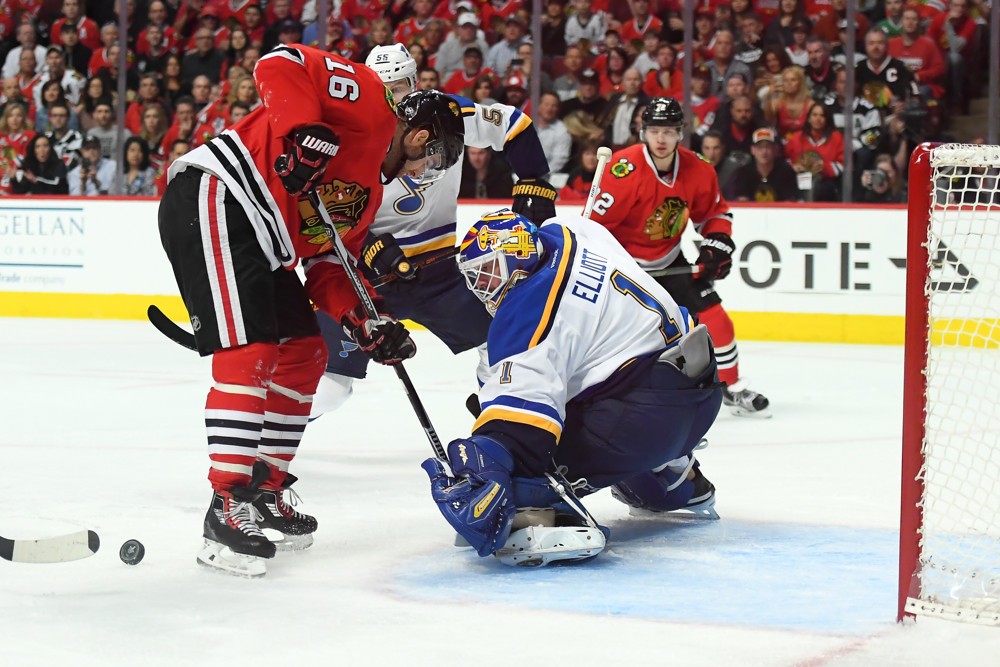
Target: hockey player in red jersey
[(235, 220), (649, 193)]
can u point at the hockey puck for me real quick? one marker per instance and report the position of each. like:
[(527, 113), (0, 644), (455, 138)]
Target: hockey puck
[(132, 552)]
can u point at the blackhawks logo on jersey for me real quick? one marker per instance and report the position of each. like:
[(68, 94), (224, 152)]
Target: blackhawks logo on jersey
[(668, 220), (345, 203), (390, 100), (622, 168)]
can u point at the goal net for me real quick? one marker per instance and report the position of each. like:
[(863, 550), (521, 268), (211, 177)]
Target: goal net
[(950, 509)]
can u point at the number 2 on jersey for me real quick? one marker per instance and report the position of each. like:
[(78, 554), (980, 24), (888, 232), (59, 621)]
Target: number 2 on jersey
[(341, 86), (625, 285)]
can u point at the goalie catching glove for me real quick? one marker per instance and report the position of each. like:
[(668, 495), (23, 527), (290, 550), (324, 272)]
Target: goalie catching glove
[(307, 153), (716, 256), (534, 198), (384, 339), (383, 256), (478, 501)]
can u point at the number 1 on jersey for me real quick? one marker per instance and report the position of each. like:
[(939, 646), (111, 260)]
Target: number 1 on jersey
[(341, 86), (625, 285)]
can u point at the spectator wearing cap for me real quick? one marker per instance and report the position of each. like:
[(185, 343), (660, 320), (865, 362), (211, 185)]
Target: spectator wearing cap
[(567, 84), (588, 100), (206, 59), (586, 27), (451, 55), (337, 38), (515, 93), (416, 24), (505, 50), (797, 50), (77, 55), (828, 25), (446, 11), (552, 134), (210, 19), (27, 40), (666, 80), (723, 65), (622, 107), (72, 13), (234, 12), (767, 178), (704, 105), (554, 27), (819, 149), (95, 175), (462, 81), (69, 80)]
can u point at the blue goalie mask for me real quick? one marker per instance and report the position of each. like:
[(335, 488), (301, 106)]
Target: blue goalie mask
[(499, 250)]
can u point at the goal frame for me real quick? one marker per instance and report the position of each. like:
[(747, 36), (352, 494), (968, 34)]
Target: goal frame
[(916, 341)]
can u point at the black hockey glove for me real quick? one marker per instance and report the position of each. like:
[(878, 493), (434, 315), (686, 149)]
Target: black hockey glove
[(385, 340), (305, 157), (716, 256), (534, 198), (383, 256)]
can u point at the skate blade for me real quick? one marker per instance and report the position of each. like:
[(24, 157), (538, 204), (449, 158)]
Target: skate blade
[(288, 543), (219, 557), (702, 512), (752, 414), (537, 546)]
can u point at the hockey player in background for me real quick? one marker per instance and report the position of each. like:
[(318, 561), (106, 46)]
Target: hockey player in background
[(649, 193), (589, 353), (416, 221), (234, 221)]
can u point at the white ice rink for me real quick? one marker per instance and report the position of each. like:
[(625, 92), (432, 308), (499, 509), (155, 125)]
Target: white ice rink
[(101, 427)]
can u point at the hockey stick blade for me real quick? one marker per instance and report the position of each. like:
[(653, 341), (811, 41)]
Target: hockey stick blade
[(678, 271), (62, 549), (168, 328)]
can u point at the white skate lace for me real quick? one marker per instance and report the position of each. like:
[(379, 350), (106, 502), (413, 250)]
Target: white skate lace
[(244, 515), (293, 500)]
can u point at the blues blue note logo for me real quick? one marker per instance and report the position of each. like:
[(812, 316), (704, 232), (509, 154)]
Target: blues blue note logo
[(347, 347), (413, 201)]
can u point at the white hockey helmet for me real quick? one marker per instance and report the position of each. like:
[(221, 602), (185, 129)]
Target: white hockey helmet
[(394, 64)]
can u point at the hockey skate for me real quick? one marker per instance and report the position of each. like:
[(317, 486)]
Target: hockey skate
[(234, 542), (294, 528), (744, 402), (651, 495), (540, 536)]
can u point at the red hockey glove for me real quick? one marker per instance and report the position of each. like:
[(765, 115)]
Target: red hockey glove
[(384, 339), (306, 157), (716, 255)]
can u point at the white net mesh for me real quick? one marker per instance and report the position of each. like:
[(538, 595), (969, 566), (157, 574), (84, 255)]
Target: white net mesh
[(960, 538)]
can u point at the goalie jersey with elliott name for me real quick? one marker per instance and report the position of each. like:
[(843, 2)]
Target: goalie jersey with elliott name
[(574, 327)]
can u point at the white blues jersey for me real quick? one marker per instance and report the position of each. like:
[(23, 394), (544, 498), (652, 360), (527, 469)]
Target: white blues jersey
[(566, 329), (422, 218)]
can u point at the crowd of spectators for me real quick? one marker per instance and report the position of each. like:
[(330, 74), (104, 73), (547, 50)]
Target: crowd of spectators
[(768, 82)]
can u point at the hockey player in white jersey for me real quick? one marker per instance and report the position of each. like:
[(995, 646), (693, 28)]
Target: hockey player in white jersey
[(587, 352), (416, 222)]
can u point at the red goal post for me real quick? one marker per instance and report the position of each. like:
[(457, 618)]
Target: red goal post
[(949, 543)]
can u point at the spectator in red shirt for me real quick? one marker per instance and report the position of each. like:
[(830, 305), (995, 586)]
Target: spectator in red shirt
[(611, 76), (415, 25), (818, 149), (15, 133), (149, 92), (209, 19), (100, 60), (86, 28), (920, 55), (642, 21), (665, 81), (463, 80), (177, 148), (156, 18), (955, 34), (254, 25), (186, 126)]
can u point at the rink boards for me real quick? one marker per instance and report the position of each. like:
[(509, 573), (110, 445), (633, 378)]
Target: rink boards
[(801, 273)]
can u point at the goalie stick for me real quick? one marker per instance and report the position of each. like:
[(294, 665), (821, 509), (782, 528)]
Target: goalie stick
[(61, 549), (371, 313)]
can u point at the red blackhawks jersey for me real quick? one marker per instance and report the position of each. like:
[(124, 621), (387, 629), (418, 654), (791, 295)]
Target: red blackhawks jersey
[(647, 213), (299, 86)]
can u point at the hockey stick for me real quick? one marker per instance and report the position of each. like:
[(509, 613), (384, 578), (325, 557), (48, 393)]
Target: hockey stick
[(168, 328), (603, 156), (448, 253), (64, 548), (679, 271), (369, 307)]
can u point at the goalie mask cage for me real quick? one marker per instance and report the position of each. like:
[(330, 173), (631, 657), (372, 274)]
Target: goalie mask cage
[(949, 542)]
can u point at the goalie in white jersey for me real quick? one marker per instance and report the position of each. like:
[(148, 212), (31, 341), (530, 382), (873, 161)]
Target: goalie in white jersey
[(596, 375), (416, 223)]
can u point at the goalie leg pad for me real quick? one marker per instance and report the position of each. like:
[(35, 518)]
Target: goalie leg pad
[(537, 546)]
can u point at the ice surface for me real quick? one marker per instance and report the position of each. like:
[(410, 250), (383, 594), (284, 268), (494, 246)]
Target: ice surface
[(101, 428)]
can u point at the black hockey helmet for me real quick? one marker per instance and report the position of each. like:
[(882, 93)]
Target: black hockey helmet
[(439, 113), (663, 111)]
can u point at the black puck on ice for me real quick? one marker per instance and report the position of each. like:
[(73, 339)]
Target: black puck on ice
[(132, 552)]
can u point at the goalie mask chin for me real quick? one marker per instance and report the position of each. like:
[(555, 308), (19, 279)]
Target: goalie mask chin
[(498, 251)]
